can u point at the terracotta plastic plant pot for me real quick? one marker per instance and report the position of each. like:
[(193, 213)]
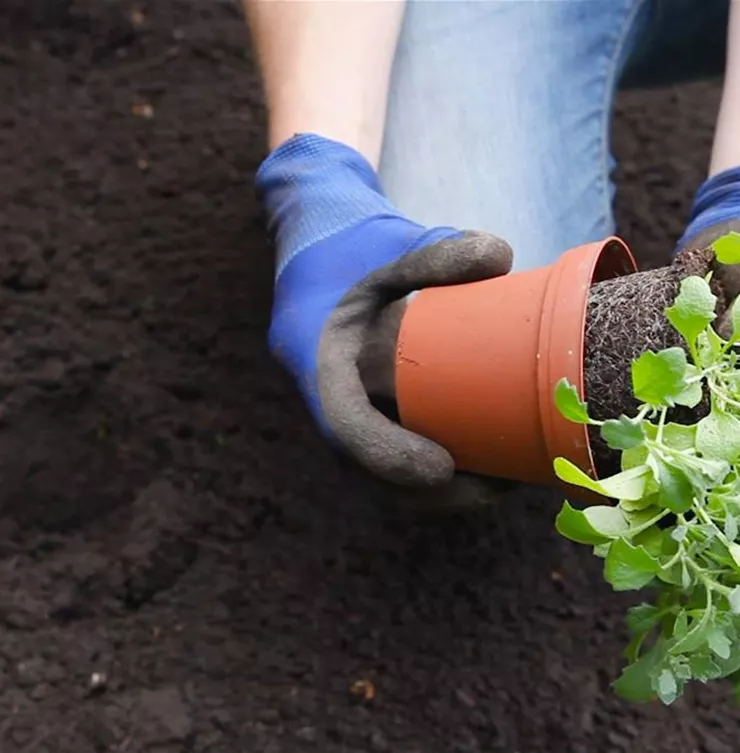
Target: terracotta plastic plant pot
[(477, 364)]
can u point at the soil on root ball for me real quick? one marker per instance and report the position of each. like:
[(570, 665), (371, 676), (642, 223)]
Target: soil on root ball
[(625, 318)]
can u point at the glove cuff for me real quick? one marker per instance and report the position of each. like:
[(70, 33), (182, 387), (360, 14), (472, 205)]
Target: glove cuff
[(309, 153), (716, 201), (312, 188)]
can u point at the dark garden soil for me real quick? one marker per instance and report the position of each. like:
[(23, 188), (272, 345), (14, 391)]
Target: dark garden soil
[(184, 566)]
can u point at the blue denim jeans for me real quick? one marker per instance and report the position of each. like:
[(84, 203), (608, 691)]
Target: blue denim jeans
[(500, 110)]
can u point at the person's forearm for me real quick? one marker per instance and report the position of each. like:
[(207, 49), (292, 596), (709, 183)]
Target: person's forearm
[(326, 67), (726, 149)]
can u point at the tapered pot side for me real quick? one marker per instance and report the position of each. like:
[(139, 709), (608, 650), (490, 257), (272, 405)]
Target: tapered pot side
[(477, 364)]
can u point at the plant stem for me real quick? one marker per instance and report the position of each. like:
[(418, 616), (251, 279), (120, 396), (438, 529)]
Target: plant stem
[(676, 557), (643, 412), (661, 425), (703, 575), (644, 526), (715, 389)]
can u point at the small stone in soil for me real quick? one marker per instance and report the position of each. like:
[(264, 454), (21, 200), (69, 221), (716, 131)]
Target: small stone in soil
[(306, 734), (363, 689), (98, 682)]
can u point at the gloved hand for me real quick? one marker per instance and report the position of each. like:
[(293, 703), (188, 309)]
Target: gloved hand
[(344, 254), (716, 212)]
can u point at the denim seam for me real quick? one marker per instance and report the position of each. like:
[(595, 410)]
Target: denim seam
[(610, 81)]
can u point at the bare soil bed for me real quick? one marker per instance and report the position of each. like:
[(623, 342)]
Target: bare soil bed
[(184, 566)]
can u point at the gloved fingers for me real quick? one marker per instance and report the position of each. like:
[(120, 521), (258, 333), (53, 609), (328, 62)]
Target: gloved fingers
[(379, 444), (723, 326), (382, 446), (476, 256), (728, 276)]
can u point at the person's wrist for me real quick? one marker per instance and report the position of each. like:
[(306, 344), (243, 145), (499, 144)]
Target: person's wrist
[(310, 156), (716, 202), (284, 128)]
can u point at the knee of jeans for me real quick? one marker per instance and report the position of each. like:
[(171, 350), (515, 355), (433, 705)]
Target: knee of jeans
[(539, 223), (541, 242)]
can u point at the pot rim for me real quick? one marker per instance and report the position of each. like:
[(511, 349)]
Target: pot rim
[(589, 263)]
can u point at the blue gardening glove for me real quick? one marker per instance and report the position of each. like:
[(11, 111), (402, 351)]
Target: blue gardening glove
[(716, 212), (344, 254)]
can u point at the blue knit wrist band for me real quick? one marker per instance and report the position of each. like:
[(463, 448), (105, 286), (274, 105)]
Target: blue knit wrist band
[(718, 200)]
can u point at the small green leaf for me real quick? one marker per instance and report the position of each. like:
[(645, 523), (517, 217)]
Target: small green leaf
[(635, 456), (696, 635), (719, 643), (679, 437), (594, 525), (681, 625), (679, 533), (693, 309), (710, 347), (676, 491), (703, 667), (720, 554), (637, 505), (606, 520), (629, 568), (642, 618), (729, 625), (628, 485), (632, 649), (734, 599), (638, 518), (658, 378), (667, 687), (570, 404), (634, 684), (730, 665), (725, 500), (734, 550), (651, 538), (623, 433), (730, 527), (708, 531), (672, 575), (680, 668), (718, 436), (572, 474), (704, 473), (574, 525), (601, 550), (727, 248), (690, 396)]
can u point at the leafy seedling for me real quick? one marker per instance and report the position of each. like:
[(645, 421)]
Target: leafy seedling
[(670, 528)]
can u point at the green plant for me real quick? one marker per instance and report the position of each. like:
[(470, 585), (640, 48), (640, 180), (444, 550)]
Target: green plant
[(674, 527)]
